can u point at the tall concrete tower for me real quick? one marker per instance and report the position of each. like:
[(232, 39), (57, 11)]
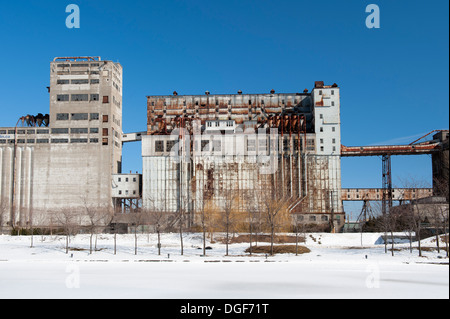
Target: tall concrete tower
[(68, 160)]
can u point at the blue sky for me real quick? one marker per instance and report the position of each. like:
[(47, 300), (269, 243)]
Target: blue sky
[(394, 80)]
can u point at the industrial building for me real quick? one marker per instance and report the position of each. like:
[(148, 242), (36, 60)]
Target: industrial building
[(196, 151), (200, 148), (64, 159)]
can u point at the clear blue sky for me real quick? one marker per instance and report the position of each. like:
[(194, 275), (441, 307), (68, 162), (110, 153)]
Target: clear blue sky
[(394, 80)]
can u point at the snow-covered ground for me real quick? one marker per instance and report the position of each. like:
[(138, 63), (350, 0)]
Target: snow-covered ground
[(338, 266)]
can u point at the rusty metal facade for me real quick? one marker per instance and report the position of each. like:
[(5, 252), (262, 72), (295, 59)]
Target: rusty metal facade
[(200, 147)]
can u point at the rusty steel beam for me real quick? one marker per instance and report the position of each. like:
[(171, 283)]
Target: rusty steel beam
[(376, 194), (349, 151)]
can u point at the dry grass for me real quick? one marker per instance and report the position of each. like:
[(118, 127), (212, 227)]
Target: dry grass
[(278, 239), (278, 249)]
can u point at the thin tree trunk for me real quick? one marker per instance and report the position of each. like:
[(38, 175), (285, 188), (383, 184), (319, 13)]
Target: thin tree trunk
[(159, 242), (251, 230), (204, 241), (90, 244), (392, 243), (135, 240), (115, 242), (181, 238)]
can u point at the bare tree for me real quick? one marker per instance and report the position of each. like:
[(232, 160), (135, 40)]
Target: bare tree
[(206, 210), (4, 211), (444, 217), (276, 211), (180, 220), (253, 212), (137, 219), (68, 220), (157, 218), (97, 219), (227, 216)]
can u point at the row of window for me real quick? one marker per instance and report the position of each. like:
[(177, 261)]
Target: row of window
[(77, 65), (78, 81), (81, 98), (216, 102), (217, 123), (333, 129), (126, 192), (81, 117), (119, 179), (53, 141), (251, 145), (81, 130)]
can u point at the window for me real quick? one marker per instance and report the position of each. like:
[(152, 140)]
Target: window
[(42, 141), (332, 103), (60, 130), (80, 65), (333, 129), (95, 97), (217, 145), (105, 141), (320, 92), (84, 81), (93, 140), (251, 145), (321, 141), (105, 132), (105, 99), (105, 118), (62, 82), (324, 218), (79, 140), (321, 116), (79, 97), (79, 116), (62, 116), (170, 145), (333, 141), (94, 116), (334, 148), (321, 129), (42, 131), (312, 218), (332, 92), (321, 148), (78, 130), (95, 81), (159, 146), (62, 97), (205, 145), (94, 130), (60, 140)]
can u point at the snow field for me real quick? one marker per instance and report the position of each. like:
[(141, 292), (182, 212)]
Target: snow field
[(338, 266)]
